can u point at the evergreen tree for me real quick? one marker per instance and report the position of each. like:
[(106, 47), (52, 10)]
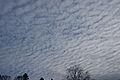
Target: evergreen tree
[(25, 76), (41, 78)]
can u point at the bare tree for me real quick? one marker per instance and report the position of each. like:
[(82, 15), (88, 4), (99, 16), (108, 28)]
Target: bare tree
[(77, 73), (5, 77)]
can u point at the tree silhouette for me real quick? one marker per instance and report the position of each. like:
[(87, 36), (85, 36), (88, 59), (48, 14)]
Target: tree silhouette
[(41, 78), (0, 77), (25, 76), (18, 78), (77, 73), (5, 77), (51, 79)]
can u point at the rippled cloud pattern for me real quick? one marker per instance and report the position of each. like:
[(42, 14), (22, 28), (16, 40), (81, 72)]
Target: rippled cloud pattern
[(44, 37)]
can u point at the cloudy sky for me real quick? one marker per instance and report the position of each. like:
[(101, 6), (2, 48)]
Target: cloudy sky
[(44, 37)]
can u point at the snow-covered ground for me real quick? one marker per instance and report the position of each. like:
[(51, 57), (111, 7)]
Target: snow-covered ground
[(44, 37)]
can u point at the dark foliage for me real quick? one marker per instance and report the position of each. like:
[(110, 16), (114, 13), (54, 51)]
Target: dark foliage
[(25, 76), (51, 79), (41, 78), (18, 78)]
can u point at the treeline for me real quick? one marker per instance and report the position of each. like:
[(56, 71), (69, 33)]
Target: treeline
[(72, 73), (24, 77), (6, 77)]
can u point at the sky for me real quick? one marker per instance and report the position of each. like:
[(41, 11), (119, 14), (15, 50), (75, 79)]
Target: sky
[(45, 37)]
